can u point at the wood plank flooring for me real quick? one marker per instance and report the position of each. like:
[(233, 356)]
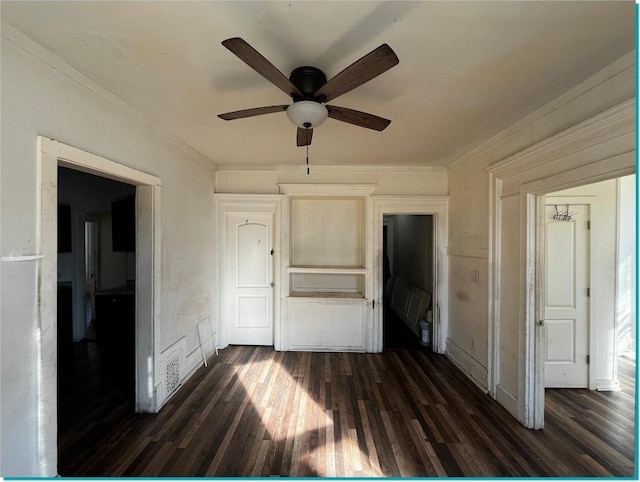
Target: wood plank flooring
[(257, 412)]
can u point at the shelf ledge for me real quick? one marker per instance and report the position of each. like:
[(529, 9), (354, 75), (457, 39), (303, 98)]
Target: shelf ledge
[(328, 269)]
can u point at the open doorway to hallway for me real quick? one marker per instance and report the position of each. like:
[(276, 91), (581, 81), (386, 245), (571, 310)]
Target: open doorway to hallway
[(96, 308), (408, 279), (588, 336)]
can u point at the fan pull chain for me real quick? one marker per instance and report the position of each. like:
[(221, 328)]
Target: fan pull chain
[(306, 126)]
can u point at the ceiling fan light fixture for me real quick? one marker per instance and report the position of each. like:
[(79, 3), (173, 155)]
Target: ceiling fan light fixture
[(307, 114)]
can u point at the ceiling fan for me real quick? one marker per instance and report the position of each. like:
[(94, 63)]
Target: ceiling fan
[(309, 89)]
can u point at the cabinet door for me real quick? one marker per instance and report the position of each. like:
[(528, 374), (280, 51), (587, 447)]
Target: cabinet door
[(335, 325)]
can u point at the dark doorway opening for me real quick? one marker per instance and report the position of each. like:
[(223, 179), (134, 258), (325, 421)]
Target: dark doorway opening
[(96, 310), (408, 278)]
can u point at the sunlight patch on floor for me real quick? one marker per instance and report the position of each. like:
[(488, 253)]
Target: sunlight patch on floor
[(310, 421)]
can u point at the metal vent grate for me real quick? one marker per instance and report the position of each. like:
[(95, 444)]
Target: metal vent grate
[(172, 374)]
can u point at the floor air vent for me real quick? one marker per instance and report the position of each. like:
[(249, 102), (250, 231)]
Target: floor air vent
[(171, 370), (172, 373)]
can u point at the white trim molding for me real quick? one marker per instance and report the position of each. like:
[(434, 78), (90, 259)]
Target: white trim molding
[(609, 125), (256, 203), (465, 252), (52, 154), (627, 61), (337, 168), (599, 148), (437, 206), (476, 372), (607, 385)]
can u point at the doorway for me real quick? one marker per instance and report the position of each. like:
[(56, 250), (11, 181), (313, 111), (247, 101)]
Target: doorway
[(96, 299), (408, 262), (437, 208), (588, 288), (52, 154)]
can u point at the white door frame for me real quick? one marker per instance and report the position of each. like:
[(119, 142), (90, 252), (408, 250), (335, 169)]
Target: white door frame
[(433, 205), (597, 149), (249, 203), (533, 195), (52, 154)]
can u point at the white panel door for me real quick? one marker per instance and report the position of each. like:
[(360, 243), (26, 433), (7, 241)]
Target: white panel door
[(566, 300), (249, 279)]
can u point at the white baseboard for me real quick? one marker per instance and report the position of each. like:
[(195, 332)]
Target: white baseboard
[(189, 364), (507, 400), (476, 372), (607, 385)]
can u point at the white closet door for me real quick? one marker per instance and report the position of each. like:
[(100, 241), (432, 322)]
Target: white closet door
[(249, 280), (566, 300)]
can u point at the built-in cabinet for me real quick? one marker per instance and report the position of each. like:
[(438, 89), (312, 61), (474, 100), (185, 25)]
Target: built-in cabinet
[(327, 266), (326, 251)]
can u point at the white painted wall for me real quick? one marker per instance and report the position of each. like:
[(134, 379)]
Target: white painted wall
[(626, 283), (40, 100), (473, 310), (425, 181)]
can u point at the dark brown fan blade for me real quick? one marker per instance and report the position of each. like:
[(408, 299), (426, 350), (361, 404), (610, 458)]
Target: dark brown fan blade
[(358, 118), (368, 67), (239, 114), (257, 62), (304, 137)]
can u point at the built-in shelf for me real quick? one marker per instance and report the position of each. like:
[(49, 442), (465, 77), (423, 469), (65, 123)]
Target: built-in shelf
[(331, 281), (327, 274), (328, 295), (328, 269)]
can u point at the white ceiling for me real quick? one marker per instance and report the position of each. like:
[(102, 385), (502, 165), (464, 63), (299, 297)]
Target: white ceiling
[(467, 69)]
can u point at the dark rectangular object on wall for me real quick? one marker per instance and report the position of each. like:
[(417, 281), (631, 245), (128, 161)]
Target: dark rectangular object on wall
[(64, 228), (123, 224)]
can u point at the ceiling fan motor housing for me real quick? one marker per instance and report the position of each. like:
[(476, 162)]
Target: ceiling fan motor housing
[(307, 80)]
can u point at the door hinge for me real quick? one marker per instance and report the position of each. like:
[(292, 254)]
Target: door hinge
[(373, 304), (588, 292), (272, 251), (589, 224), (588, 359)]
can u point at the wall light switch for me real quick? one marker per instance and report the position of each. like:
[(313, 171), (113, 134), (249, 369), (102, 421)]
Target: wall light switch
[(475, 276)]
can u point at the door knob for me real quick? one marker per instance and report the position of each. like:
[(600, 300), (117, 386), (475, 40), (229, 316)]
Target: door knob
[(272, 284)]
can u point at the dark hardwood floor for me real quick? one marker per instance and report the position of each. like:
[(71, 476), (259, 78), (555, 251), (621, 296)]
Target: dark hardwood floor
[(94, 396), (257, 412)]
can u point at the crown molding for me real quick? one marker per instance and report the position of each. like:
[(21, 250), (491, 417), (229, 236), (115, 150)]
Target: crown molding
[(606, 126), (327, 168), (624, 62), (57, 63)]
